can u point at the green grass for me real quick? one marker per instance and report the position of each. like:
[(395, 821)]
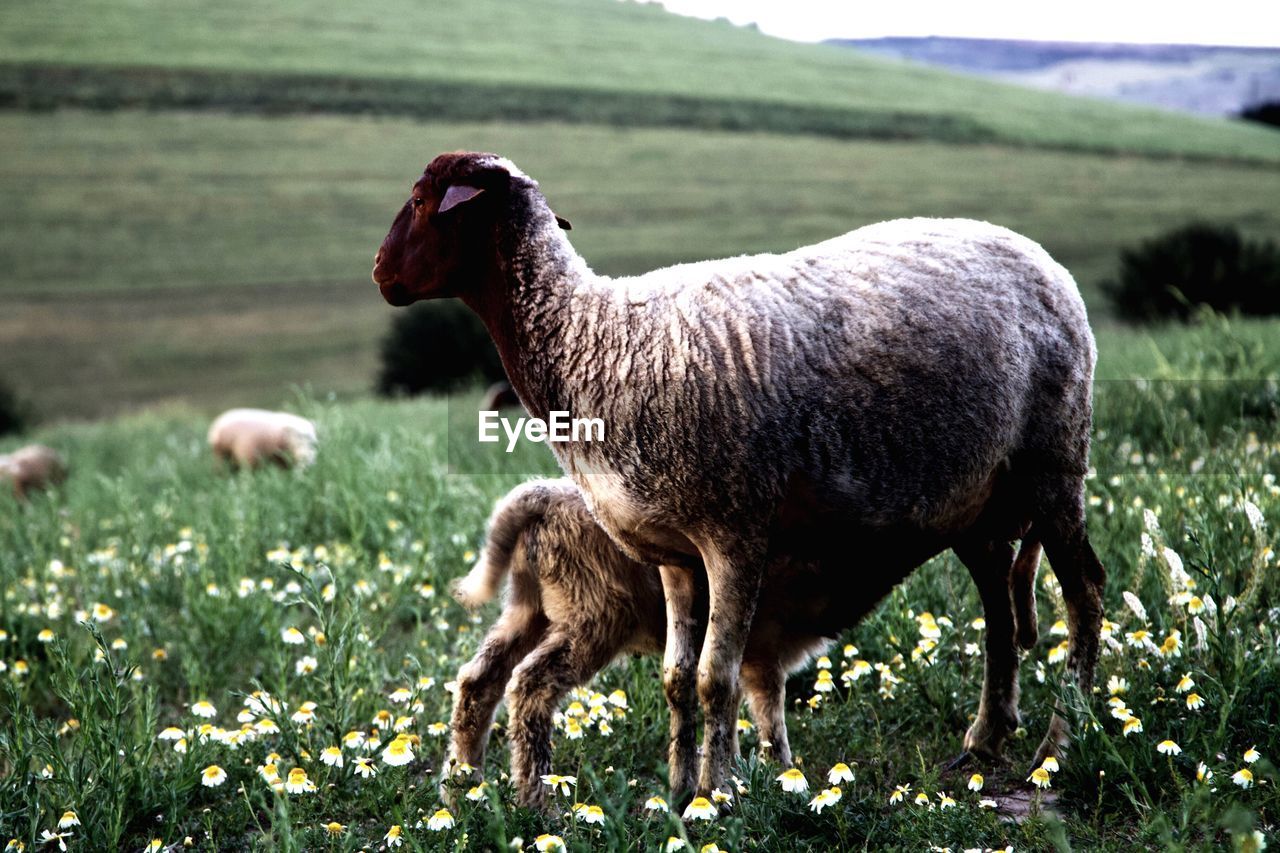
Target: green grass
[(150, 258), (179, 554), (613, 56)]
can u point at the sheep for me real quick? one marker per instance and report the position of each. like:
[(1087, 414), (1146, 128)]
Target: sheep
[(499, 395), (908, 387), (32, 468), (253, 437), (574, 603)]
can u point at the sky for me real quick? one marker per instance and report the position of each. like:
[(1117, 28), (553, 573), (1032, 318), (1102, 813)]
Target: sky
[(1227, 22)]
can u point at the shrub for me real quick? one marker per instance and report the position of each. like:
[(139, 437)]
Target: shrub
[(436, 346), (14, 416), (1198, 264)]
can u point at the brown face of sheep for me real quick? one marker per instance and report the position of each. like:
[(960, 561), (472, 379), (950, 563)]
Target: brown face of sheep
[(441, 241)]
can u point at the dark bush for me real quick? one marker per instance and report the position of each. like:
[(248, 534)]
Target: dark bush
[(14, 416), (1198, 264), (436, 346), (1267, 112)]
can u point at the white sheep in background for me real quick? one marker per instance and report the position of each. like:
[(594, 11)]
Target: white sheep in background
[(32, 468), (575, 602), (867, 402), (253, 437)]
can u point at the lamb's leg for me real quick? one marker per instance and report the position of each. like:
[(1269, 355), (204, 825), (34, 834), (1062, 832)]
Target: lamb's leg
[(1082, 578), (561, 662), (679, 679), (764, 684), (735, 569), (990, 564), (481, 683)]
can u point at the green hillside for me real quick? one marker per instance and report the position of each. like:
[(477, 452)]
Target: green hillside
[(577, 60)]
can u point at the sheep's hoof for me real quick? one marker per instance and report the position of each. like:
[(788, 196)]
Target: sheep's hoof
[(959, 761)]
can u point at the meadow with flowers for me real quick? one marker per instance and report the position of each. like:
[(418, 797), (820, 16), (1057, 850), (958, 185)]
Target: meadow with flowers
[(265, 661)]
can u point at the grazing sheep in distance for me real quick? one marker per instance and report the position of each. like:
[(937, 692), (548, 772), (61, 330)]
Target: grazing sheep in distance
[(575, 602), (32, 468), (866, 403), (499, 395), (252, 437)]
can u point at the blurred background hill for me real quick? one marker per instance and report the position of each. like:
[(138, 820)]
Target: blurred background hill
[(191, 192)]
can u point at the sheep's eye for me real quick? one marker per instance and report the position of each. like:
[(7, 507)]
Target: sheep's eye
[(417, 202)]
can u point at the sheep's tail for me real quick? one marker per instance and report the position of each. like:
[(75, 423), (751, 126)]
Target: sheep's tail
[(515, 513), (1023, 590)]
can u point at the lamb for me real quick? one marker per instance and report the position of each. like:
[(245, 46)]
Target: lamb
[(574, 603), (253, 437), (908, 387), (32, 468)]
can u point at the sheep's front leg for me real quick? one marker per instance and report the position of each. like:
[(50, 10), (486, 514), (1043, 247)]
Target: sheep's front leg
[(481, 683), (679, 678), (764, 684), (733, 578)]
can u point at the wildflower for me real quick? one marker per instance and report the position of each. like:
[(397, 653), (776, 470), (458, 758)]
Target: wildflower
[(306, 665), (1172, 646), (353, 740), (839, 773), (1168, 747), (476, 792), (1117, 685), (364, 768), (1243, 777), (292, 636), (793, 781), (47, 837), (573, 729), (171, 733), (398, 752), (545, 843), (656, 804), (975, 782), (269, 773), (827, 797), (1058, 629), (1203, 773), (1251, 755), (618, 699), (400, 695), (1195, 605), (213, 776), (1185, 683), (155, 845), (824, 684), (673, 844), (102, 613), (1131, 726), (334, 828), (1059, 652), (332, 756), (1050, 764), (1135, 605), (298, 783), (700, 809), (14, 845), (922, 798), (1039, 777), (558, 782), (945, 801), (1138, 639), (204, 708), (68, 820), (392, 838), (589, 814), (440, 821), (988, 804), (710, 848), (899, 792), (45, 636)]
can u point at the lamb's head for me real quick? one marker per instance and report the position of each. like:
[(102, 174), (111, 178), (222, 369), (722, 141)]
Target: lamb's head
[(443, 240)]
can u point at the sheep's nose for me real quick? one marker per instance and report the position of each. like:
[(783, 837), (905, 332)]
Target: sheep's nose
[(377, 258)]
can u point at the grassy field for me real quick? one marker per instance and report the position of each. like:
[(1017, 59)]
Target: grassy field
[(559, 52), (152, 258), (190, 580)]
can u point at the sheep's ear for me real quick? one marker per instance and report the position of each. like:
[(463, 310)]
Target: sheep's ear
[(564, 223), (456, 195)]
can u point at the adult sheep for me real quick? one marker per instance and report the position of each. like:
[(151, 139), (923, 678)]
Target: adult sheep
[(32, 468), (867, 402), (575, 602), (252, 437)]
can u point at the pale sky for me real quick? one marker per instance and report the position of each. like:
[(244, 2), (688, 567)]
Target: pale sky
[(1230, 22)]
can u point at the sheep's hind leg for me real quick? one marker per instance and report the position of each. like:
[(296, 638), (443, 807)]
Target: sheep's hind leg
[(481, 683), (1082, 577), (733, 579), (764, 684), (679, 679), (990, 564)]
